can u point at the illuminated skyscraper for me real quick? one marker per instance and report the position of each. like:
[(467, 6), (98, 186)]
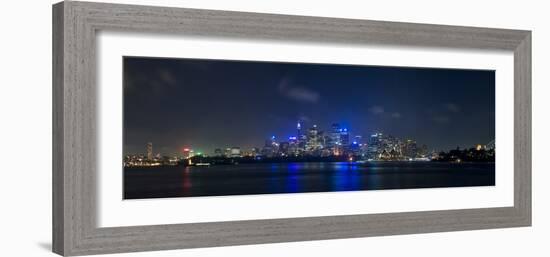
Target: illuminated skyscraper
[(333, 143), (410, 149), (274, 145), (358, 139), (335, 134), (284, 148), (313, 143), (271, 147), (149, 151), (374, 146), (301, 137), (344, 137), (293, 145), (355, 146)]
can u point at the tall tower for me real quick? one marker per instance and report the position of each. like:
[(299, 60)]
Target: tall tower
[(299, 128), (313, 143), (149, 151), (302, 137), (344, 137), (335, 134)]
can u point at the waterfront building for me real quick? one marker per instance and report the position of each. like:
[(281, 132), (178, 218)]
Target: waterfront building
[(313, 144), (423, 151), (479, 147), (355, 148), (186, 153), (344, 139), (334, 143), (235, 152), (274, 145), (267, 151), (335, 134), (284, 148), (358, 139), (410, 149), (373, 146), (270, 147), (150, 151), (255, 151), (394, 146), (227, 152), (293, 148), (301, 138), (490, 145)]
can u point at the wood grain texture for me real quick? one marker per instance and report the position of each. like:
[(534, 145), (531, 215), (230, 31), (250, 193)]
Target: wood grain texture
[(522, 128), (75, 25), (58, 191)]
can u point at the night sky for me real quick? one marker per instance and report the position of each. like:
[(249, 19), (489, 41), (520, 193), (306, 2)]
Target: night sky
[(208, 104)]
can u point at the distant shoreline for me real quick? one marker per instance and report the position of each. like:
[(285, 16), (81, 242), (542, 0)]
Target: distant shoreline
[(358, 163)]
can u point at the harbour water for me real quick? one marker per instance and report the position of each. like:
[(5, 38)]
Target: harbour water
[(262, 178)]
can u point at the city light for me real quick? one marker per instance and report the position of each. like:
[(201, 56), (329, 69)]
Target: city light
[(315, 144)]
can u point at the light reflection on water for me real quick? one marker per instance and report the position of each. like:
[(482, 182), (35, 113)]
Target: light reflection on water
[(187, 184), (345, 177), (299, 177)]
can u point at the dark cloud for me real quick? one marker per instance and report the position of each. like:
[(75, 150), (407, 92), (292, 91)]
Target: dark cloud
[(396, 115), (298, 93), (376, 110), (167, 77), (452, 107), (441, 119)]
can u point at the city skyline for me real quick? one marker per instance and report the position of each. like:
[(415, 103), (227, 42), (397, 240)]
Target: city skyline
[(178, 103), (337, 140)]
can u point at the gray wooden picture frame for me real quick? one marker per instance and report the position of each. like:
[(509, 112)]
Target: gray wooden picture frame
[(75, 25)]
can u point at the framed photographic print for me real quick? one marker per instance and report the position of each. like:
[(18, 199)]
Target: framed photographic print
[(183, 128)]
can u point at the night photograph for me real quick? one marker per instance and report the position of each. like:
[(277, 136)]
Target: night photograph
[(197, 127)]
